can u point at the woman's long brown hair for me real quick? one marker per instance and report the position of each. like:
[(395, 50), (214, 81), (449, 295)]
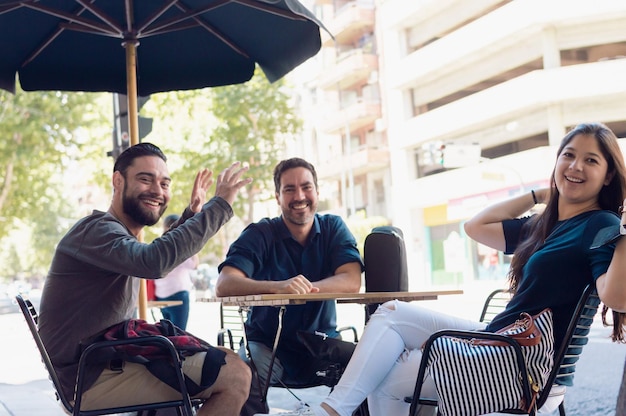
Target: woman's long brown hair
[(610, 198)]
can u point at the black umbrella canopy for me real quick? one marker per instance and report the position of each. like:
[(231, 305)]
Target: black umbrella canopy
[(78, 45), (140, 47)]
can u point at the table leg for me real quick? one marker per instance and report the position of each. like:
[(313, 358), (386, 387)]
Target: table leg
[(243, 326), (268, 381)]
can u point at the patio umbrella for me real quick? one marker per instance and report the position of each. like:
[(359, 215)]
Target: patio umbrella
[(140, 47)]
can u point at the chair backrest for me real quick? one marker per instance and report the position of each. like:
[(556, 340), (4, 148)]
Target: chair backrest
[(576, 337), (384, 255), (231, 334), (231, 326), (31, 317), (494, 304), (184, 404)]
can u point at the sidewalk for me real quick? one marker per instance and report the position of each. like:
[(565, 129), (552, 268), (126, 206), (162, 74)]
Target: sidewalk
[(33, 398), (26, 391), (24, 386)]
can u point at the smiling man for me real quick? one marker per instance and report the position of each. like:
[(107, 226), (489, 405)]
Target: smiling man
[(93, 283), (299, 252)]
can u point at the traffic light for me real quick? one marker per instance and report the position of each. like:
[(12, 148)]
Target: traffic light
[(439, 154), (121, 136)]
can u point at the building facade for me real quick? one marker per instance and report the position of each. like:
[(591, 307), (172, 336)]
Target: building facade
[(426, 111)]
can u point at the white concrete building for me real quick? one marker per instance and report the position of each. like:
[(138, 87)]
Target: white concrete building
[(498, 83)]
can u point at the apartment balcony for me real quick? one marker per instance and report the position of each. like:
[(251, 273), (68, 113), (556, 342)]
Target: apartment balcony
[(349, 69), (355, 116), (349, 23), (501, 41), (431, 16), (521, 107), (366, 159)]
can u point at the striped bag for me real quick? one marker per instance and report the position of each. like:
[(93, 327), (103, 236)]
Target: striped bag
[(478, 376)]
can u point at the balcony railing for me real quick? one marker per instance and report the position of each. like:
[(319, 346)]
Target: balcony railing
[(533, 93), (349, 69), (498, 42), (349, 23), (366, 159), (355, 116)]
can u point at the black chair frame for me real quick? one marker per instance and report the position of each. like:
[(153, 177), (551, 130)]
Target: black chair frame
[(232, 333), (494, 304), (565, 358), (184, 406), (232, 322)]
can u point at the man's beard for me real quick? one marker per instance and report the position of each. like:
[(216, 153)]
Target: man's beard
[(301, 219), (132, 207)]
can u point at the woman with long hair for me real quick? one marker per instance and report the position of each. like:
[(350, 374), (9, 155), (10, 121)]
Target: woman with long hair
[(551, 266)]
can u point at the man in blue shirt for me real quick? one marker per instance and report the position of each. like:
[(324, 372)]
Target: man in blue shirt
[(299, 252)]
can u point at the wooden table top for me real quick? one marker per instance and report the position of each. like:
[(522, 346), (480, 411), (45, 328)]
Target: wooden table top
[(163, 303), (271, 299)]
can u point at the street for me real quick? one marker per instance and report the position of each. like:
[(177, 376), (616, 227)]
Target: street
[(598, 374)]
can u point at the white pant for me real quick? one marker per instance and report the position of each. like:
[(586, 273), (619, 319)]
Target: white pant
[(387, 357), (386, 361)]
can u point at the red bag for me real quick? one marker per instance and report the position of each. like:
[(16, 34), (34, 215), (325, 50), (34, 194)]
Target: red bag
[(150, 289)]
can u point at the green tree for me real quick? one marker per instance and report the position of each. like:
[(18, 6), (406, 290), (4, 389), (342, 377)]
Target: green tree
[(254, 121), (214, 127), (44, 134)]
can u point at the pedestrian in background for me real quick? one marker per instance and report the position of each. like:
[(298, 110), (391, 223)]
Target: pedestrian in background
[(176, 285)]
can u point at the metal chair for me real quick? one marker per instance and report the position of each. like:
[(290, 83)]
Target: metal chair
[(232, 335), (576, 336), (232, 320), (494, 304), (184, 406)]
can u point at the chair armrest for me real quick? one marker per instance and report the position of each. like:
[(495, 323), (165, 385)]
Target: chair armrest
[(355, 335), (482, 335), (220, 338), (157, 340)]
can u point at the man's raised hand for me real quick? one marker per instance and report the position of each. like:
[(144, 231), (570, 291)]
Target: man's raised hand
[(202, 183), (229, 182)]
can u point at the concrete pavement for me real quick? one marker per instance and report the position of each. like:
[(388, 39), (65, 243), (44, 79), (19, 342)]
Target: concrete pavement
[(26, 391)]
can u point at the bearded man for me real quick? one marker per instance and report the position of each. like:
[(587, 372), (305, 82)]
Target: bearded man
[(94, 277), (299, 252)]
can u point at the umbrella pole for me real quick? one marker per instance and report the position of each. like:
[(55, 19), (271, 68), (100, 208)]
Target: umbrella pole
[(133, 130), (131, 88)]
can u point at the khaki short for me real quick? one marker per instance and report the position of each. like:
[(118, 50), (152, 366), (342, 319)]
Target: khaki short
[(136, 385)]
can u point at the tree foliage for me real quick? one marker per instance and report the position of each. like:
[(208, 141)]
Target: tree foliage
[(255, 119), (43, 134), (55, 143), (214, 127)]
